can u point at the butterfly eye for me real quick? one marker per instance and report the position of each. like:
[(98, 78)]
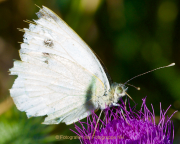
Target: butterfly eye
[(119, 90)]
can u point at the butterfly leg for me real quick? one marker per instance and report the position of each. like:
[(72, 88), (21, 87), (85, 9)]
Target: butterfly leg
[(97, 123), (125, 103)]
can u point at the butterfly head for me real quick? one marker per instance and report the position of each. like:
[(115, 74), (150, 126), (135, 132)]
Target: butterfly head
[(119, 91)]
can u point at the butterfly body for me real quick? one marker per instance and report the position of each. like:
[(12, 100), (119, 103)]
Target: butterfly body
[(112, 97), (59, 75)]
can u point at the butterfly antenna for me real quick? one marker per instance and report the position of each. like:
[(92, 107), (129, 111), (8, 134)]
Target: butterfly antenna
[(97, 123), (172, 64), (138, 88)]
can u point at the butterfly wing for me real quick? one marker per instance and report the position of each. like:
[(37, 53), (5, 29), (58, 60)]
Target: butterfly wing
[(59, 75)]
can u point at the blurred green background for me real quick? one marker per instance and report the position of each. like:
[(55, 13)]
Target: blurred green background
[(130, 36)]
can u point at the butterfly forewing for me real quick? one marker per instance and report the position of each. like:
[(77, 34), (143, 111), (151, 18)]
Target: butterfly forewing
[(59, 75)]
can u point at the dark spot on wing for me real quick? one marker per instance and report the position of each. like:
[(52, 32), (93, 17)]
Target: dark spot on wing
[(39, 14), (53, 16), (45, 54), (46, 61), (48, 43)]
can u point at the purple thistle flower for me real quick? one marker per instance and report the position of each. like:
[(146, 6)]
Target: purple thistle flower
[(131, 127)]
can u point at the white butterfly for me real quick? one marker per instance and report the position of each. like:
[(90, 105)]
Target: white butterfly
[(59, 75)]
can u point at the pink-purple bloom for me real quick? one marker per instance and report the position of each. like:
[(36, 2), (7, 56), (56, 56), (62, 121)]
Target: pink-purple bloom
[(131, 127)]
